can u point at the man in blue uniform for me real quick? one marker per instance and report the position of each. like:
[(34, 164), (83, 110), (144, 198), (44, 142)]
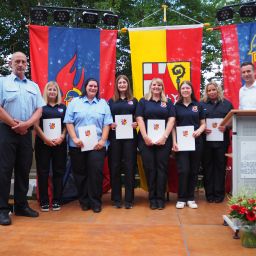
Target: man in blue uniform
[(20, 107)]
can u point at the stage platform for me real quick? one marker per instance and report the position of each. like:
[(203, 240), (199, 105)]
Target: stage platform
[(120, 232)]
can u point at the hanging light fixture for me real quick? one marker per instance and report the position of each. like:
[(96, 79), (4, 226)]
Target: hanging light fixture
[(38, 14), (225, 13), (61, 15), (110, 19)]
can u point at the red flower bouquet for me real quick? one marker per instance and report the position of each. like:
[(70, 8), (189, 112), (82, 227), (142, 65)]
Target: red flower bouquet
[(244, 209)]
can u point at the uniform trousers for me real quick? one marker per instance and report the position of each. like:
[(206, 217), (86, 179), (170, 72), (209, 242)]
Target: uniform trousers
[(188, 164), (87, 167), (15, 154), (214, 162), (155, 162), (122, 153), (47, 157)]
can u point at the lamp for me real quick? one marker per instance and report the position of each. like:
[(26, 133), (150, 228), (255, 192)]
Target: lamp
[(225, 13), (38, 14), (110, 19), (247, 11), (90, 17), (61, 16)]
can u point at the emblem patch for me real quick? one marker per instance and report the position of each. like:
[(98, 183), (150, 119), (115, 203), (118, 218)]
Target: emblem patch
[(195, 109)]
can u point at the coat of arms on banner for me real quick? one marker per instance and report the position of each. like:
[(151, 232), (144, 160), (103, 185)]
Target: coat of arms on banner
[(172, 74)]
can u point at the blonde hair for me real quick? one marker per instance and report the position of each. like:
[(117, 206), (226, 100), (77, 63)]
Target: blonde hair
[(52, 83), (128, 92), (148, 96), (220, 96)]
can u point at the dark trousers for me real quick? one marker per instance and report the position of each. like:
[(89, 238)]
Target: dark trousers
[(15, 153), (122, 150), (87, 169), (214, 163), (45, 158), (188, 164), (155, 163)]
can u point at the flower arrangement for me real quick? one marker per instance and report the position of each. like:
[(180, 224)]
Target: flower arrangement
[(244, 209)]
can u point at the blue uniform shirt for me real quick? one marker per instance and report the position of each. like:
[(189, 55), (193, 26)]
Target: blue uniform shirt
[(189, 115), (80, 112), (122, 107), (150, 109), (217, 109), (19, 98), (57, 111)]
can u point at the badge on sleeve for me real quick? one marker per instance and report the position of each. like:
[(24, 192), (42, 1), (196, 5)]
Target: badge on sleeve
[(163, 104), (195, 109)]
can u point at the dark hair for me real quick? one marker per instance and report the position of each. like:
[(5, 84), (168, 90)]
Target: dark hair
[(193, 98), (247, 64), (128, 93), (85, 85)]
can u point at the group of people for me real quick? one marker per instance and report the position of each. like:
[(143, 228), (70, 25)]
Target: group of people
[(22, 108)]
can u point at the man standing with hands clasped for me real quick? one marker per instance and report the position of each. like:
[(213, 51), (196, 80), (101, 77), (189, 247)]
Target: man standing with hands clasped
[(247, 93), (20, 107)]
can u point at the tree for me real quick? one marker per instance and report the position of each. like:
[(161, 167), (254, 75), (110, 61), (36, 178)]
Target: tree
[(15, 16)]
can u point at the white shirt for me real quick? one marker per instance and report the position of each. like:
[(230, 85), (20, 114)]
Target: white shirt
[(247, 97)]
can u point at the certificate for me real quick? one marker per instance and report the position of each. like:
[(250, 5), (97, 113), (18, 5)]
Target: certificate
[(185, 139), (156, 128), (216, 134), (124, 128), (52, 128), (88, 135)]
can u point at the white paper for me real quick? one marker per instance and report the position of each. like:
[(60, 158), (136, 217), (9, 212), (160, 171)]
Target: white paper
[(88, 135), (216, 134), (52, 128), (124, 128), (156, 128), (185, 139)]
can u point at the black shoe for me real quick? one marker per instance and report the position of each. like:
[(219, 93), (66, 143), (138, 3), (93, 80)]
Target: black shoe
[(5, 218), (45, 208), (128, 205), (218, 200), (153, 205), (85, 207), (117, 204), (161, 205), (56, 206), (27, 212), (96, 209), (210, 200)]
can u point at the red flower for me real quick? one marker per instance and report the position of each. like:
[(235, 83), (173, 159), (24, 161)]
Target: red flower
[(235, 207), (251, 201), (243, 210), (250, 216)]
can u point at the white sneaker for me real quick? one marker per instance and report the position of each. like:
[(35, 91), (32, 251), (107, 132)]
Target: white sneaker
[(192, 204), (180, 205)]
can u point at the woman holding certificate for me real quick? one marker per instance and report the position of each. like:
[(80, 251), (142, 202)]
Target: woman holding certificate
[(123, 142), (187, 142), (216, 141), (51, 146), (88, 119), (155, 117)]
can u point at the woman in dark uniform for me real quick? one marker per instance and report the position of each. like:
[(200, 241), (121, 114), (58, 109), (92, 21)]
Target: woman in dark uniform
[(122, 150), (188, 112), (49, 151), (155, 156), (214, 160)]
